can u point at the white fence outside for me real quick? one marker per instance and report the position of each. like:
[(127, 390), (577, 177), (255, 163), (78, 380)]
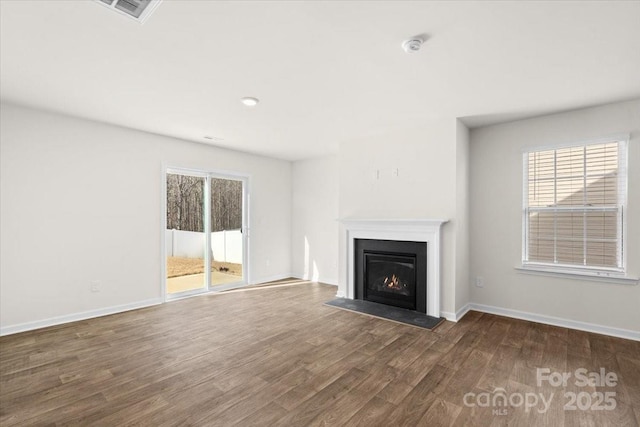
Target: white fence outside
[(226, 245)]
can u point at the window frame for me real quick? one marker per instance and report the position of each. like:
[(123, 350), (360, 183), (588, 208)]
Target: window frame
[(622, 190)]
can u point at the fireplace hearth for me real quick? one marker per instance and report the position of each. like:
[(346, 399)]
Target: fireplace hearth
[(391, 272)]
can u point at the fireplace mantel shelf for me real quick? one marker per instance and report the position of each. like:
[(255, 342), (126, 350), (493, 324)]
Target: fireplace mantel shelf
[(392, 222)]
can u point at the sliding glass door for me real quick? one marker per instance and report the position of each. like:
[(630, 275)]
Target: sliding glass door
[(227, 234), (185, 240), (206, 233)]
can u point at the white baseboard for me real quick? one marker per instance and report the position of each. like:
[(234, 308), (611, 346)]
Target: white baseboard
[(273, 278), (58, 320), (557, 321), (454, 317), (325, 280), (540, 318), (448, 316)]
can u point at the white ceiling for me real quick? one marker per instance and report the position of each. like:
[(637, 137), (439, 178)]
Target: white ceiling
[(324, 71)]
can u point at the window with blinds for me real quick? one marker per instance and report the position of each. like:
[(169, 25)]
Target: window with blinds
[(574, 206)]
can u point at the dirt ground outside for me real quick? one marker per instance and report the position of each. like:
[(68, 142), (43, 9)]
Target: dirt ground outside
[(178, 266)]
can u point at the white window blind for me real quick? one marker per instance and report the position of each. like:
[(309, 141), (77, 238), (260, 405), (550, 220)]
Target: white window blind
[(574, 206)]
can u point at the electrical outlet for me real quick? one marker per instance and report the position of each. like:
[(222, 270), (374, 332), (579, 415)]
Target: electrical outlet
[(95, 286), (394, 172), (479, 282)]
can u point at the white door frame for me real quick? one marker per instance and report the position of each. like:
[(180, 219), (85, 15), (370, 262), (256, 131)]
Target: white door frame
[(207, 175)]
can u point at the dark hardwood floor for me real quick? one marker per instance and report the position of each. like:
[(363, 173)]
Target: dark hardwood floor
[(277, 356)]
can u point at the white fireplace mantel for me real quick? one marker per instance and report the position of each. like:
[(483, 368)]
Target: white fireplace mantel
[(412, 230)]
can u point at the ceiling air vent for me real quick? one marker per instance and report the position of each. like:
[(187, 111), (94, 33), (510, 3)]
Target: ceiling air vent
[(136, 9)]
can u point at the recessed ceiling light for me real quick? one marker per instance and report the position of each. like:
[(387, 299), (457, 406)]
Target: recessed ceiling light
[(249, 101)]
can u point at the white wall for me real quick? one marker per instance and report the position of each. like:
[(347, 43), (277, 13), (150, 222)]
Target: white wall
[(425, 187), (104, 182), (314, 236), (496, 222), (462, 215)]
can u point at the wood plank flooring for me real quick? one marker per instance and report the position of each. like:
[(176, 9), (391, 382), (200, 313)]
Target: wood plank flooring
[(276, 356)]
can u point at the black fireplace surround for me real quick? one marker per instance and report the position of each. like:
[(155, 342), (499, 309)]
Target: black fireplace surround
[(391, 272)]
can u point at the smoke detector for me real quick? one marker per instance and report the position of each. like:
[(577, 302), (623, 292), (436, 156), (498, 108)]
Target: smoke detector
[(412, 45), (139, 10)]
